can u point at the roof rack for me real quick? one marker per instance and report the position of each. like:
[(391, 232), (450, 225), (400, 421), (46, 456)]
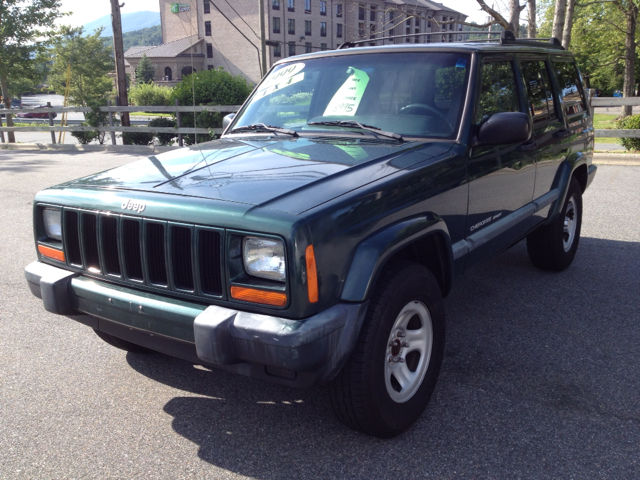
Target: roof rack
[(506, 38)]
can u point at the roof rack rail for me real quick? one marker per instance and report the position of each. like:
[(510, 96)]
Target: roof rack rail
[(506, 38)]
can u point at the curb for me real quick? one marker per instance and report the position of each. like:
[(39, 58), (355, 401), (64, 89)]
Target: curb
[(630, 159), (44, 147)]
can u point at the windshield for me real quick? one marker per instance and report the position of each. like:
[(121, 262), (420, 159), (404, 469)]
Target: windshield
[(412, 94)]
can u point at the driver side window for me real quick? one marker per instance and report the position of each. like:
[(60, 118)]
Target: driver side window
[(498, 92)]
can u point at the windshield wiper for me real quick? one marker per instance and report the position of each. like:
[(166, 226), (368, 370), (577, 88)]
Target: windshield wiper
[(354, 124), (257, 127)]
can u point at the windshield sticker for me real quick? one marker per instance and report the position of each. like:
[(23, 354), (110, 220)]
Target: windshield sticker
[(287, 153), (282, 78), (354, 151), (347, 99), (461, 63)]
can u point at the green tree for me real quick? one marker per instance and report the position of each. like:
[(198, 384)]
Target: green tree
[(209, 87), (145, 72), (26, 27), (90, 62)]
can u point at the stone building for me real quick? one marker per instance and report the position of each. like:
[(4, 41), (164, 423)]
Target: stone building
[(206, 34)]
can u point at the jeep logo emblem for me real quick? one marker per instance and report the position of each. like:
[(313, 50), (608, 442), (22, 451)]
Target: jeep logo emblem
[(135, 206)]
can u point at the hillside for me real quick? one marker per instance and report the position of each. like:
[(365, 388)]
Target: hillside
[(130, 22), (145, 36)]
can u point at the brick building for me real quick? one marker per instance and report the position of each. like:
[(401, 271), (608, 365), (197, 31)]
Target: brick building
[(225, 33)]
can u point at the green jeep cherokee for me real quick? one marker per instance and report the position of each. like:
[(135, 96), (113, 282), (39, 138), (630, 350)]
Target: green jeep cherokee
[(315, 240)]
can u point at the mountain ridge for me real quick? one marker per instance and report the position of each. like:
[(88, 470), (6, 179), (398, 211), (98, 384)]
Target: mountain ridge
[(130, 22)]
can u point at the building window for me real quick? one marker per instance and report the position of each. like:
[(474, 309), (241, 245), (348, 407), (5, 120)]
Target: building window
[(392, 31), (275, 4), (323, 29), (291, 5), (209, 67), (361, 33), (307, 6), (361, 12), (323, 7), (209, 50), (292, 26), (307, 47), (168, 74), (276, 24), (307, 27), (429, 21), (339, 10), (207, 29), (372, 13), (372, 30), (277, 50), (408, 23), (323, 46), (292, 48), (417, 39), (207, 6)]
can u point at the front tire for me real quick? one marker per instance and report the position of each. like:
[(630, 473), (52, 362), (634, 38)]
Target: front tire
[(388, 381), (553, 247)]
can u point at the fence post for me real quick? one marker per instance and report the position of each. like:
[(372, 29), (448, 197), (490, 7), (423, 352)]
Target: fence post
[(113, 134), (53, 134), (178, 123)]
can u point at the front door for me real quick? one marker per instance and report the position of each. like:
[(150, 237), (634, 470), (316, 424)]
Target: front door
[(501, 177)]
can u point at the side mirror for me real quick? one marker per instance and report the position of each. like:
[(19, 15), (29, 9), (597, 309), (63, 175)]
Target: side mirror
[(226, 121), (504, 128)]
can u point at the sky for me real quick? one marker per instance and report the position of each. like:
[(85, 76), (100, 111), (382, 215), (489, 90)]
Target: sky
[(84, 11)]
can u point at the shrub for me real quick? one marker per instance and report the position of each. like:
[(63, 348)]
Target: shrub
[(150, 94), (85, 138), (137, 138), (164, 138), (630, 123), (211, 87)]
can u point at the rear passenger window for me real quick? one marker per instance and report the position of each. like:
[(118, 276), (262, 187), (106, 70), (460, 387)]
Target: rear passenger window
[(536, 79), (498, 92), (568, 79)]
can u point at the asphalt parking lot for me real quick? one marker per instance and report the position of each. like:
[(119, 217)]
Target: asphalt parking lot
[(541, 376)]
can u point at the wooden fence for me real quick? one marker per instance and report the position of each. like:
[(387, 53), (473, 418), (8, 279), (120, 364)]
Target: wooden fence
[(178, 110)]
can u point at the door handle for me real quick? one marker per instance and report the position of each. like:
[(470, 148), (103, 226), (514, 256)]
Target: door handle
[(564, 133), (527, 147)]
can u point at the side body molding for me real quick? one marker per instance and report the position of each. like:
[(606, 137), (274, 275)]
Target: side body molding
[(374, 252)]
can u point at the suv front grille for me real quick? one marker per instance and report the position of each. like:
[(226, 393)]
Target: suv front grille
[(144, 252)]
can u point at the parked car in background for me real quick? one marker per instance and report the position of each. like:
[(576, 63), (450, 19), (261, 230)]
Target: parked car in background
[(36, 114)]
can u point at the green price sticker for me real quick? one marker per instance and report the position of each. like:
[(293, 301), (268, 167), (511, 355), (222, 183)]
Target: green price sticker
[(347, 99)]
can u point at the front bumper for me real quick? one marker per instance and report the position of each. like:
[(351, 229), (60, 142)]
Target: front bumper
[(292, 352)]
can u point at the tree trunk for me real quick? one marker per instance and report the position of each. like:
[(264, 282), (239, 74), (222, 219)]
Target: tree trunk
[(514, 19), (558, 18), (568, 24), (630, 56), (531, 26), (7, 104)]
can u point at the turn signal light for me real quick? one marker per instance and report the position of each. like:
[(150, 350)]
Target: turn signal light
[(259, 296), (312, 275), (51, 253)]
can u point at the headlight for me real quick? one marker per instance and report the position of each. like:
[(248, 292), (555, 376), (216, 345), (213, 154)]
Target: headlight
[(52, 223), (264, 258)]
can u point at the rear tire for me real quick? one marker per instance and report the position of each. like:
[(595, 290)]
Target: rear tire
[(388, 381), (121, 344), (553, 247)]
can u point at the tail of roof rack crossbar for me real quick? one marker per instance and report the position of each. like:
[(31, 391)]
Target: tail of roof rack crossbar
[(506, 38)]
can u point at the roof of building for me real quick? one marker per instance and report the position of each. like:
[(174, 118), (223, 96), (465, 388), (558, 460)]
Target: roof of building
[(171, 49), (425, 4)]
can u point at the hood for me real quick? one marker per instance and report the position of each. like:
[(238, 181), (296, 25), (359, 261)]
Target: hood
[(271, 173)]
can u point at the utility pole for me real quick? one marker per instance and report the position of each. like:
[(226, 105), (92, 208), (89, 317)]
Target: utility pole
[(118, 51), (263, 38)]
